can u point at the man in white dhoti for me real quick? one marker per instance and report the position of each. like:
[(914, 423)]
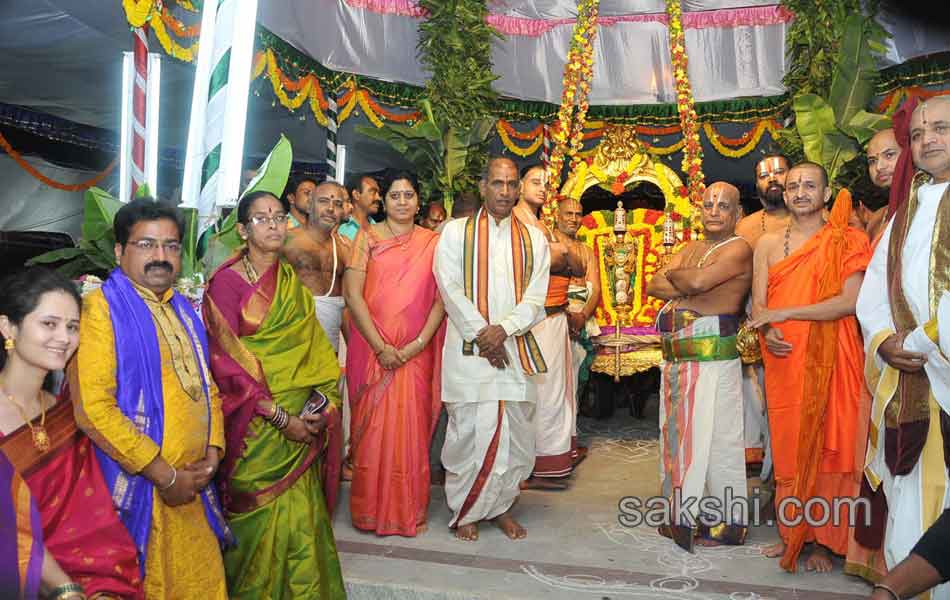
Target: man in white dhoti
[(556, 410), (319, 256), (701, 434), (492, 272), (770, 175), (904, 311)]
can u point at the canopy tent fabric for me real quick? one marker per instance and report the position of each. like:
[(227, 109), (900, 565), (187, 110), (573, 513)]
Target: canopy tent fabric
[(64, 58), (632, 58), (29, 205)]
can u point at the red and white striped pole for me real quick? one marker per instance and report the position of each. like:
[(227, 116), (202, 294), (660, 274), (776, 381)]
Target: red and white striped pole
[(545, 145), (141, 79), (139, 95)]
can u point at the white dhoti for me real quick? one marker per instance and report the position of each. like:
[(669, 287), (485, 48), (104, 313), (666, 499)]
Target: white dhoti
[(484, 463), (344, 400), (556, 410), (329, 311), (701, 431)]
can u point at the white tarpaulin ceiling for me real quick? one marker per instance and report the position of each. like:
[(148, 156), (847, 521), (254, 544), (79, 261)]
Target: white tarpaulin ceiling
[(63, 57), (735, 47)]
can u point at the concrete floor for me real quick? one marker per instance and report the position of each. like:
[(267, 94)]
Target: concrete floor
[(576, 548)]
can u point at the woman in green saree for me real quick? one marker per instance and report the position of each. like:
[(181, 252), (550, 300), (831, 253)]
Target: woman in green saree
[(277, 375)]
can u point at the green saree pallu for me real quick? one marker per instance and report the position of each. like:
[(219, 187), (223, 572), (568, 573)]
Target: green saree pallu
[(266, 344)]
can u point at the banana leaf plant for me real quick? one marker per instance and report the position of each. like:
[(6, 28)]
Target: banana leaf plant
[(832, 131), (445, 157), (95, 252)]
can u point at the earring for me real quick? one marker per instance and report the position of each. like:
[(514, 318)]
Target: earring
[(9, 344)]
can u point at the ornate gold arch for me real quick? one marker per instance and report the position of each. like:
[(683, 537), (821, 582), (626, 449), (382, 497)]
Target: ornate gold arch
[(620, 161)]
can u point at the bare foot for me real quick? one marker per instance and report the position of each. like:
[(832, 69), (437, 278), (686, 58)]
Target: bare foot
[(422, 528), (774, 551), (544, 483), (819, 560), (467, 533), (512, 528)]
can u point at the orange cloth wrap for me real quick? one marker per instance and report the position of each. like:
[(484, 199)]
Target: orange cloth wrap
[(817, 402), (557, 291)]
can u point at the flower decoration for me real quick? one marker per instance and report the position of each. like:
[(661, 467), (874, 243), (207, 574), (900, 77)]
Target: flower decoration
[(567, 132), (692, 149)]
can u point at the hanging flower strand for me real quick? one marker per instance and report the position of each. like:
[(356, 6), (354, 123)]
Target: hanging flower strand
[(567, 132), (693, 150)]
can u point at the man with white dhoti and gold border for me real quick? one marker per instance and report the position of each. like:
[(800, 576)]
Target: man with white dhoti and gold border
[(492, 272), (701, 413), (556, 409), (904, 310)]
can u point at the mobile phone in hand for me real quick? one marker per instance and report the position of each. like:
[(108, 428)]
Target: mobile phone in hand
[(315, 405)]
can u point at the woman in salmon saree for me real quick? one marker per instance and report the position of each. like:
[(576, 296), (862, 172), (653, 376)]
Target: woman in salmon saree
[(393, 366)]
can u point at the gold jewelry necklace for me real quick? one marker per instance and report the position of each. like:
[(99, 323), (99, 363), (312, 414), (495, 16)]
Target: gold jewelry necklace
[(249, 270), (763, 220), (402, 245), (40, 437), (788, 234)]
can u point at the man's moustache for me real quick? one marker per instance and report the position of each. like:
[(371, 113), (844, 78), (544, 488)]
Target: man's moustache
[(159, 264)]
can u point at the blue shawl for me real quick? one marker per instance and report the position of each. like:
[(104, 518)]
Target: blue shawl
[(140, 397)]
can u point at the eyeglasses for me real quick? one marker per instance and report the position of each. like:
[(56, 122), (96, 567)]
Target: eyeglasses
[(150, 245), (275, 220)]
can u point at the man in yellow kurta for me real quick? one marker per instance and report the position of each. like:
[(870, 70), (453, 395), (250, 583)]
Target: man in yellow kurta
[(143, 392)]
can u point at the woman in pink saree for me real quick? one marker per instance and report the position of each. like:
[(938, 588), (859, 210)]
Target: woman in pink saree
[(393, 366)]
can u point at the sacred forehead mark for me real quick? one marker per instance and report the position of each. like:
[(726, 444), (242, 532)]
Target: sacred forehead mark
[(769, 165)]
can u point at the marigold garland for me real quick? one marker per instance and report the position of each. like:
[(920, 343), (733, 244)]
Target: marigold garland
[(685, 104), (567, 132), (66, 187), (179, 28), (729, 147), (138, 12), (171, 47), (746, 143), (504, 133)]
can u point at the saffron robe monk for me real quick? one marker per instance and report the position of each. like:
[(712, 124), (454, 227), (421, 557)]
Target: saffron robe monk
[(805, 284)]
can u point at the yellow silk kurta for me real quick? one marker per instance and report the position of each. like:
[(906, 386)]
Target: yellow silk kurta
[(183, 557)]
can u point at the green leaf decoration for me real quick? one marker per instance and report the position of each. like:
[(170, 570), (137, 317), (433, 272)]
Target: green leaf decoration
[(856, 74), (863, 125), (814, 119), (55, 256), (189, 245), (273, 173), (221, 243), (831, 47), (99, 211), (143, 191)]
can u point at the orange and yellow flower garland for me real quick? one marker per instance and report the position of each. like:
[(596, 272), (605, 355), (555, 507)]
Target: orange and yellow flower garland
[(693, 154), (567, 132), (726, 146)]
